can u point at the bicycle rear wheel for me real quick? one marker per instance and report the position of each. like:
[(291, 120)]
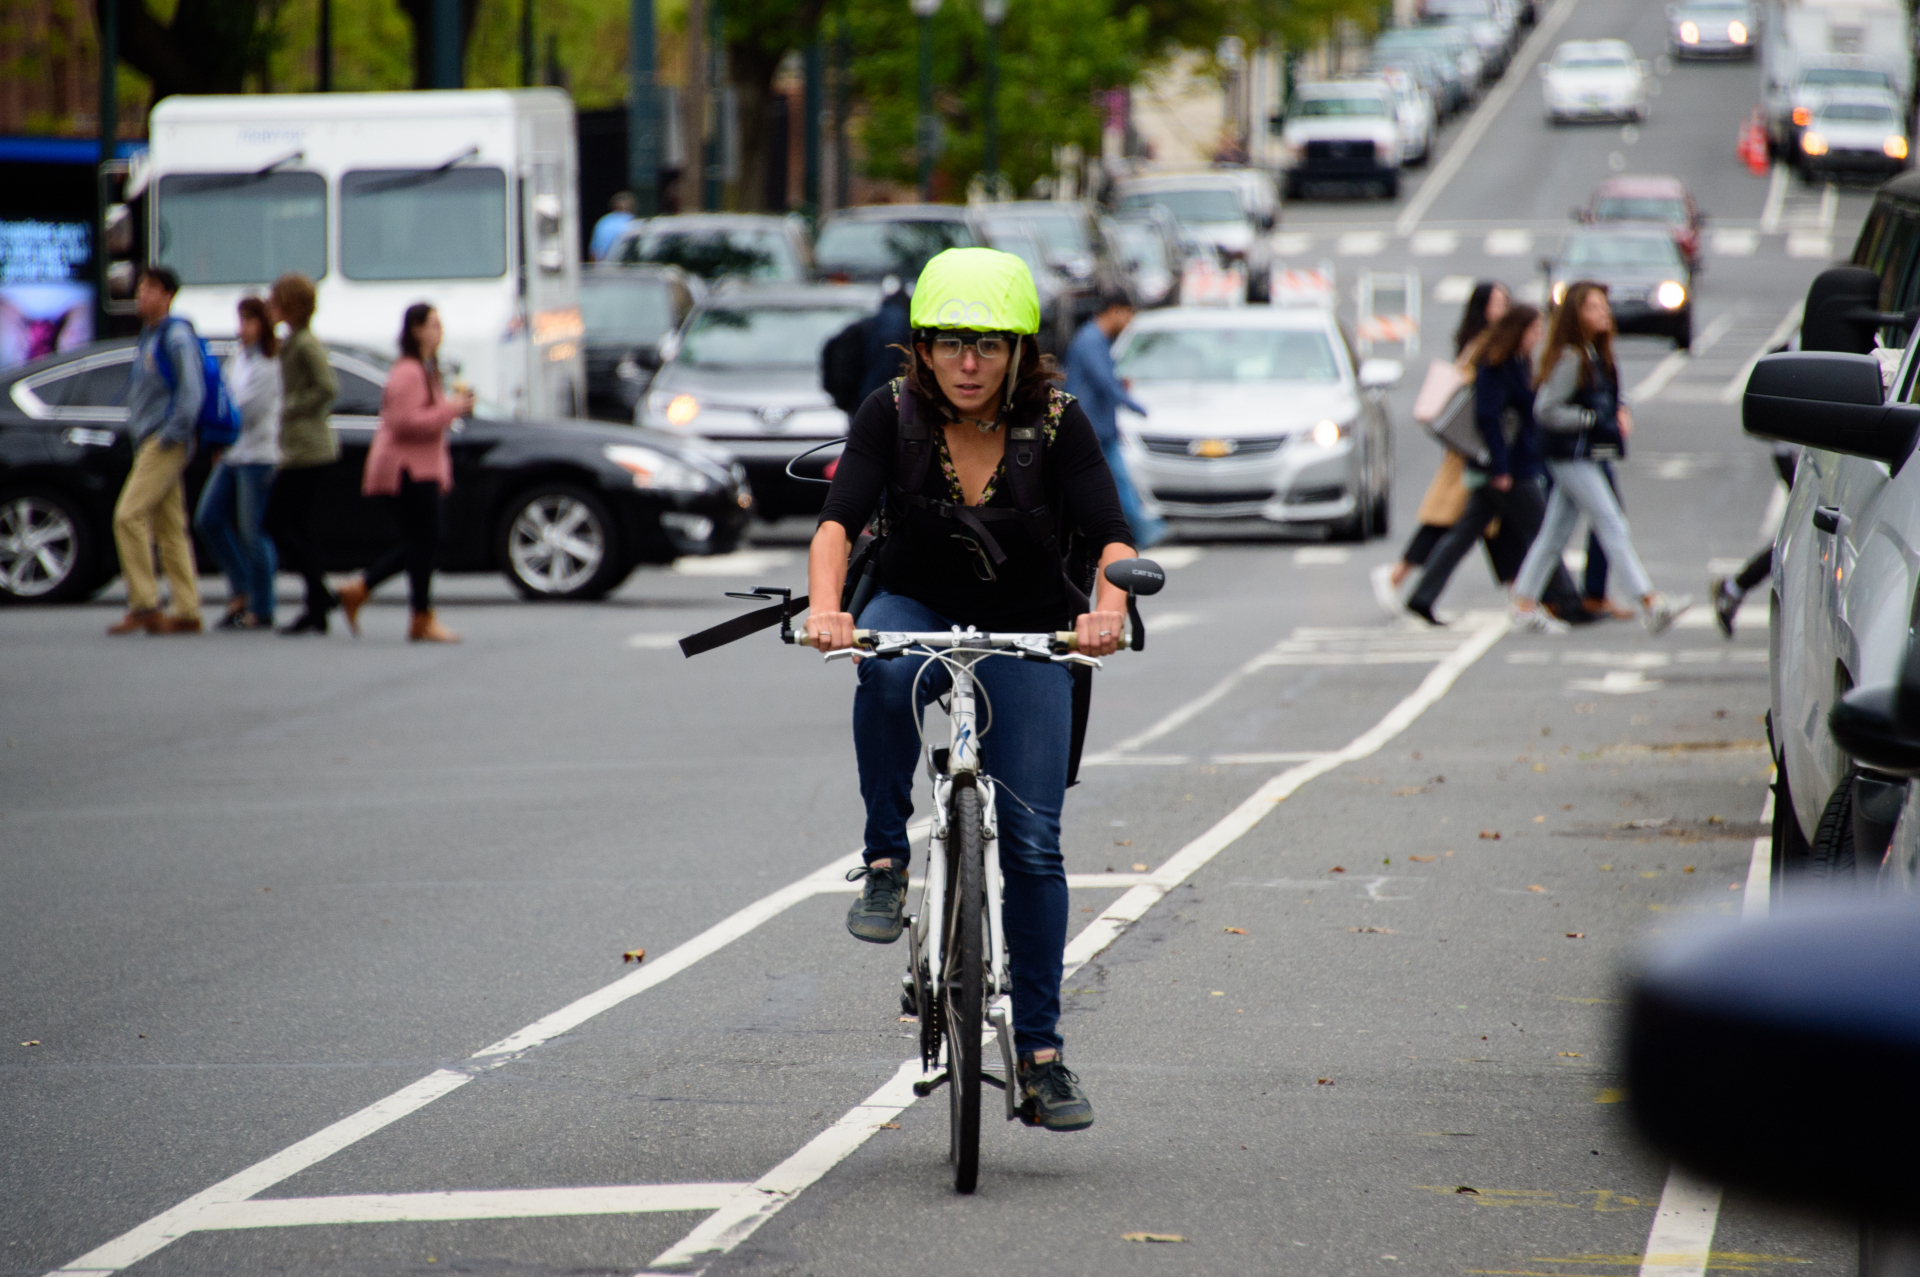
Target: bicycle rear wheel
[(963, 980)]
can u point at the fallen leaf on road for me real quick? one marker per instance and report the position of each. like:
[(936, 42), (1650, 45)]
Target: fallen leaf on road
[(1389, 931), (633, 956), (1219, 993), (1338, 869), (1152, 1238), (1489, 834), (1123, 843), (1417, 857), (1539, 767), (1467, 1189), (911, 1020), (1686, 870), (891, 1126), (1606, 867), (1404, 791), (1324, 1082), (1539, 820), (32, 1042), (1535, 887), (1716, 820), (1576, 936), (1566, 1053), (1733, 887), (1237, 931), (1139, 867)]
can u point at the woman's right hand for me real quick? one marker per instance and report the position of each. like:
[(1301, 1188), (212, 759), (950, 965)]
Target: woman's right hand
[(828, 631), (462, 402)]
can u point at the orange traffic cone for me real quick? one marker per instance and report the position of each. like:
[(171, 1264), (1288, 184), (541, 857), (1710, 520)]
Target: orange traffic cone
[(1753, 144)]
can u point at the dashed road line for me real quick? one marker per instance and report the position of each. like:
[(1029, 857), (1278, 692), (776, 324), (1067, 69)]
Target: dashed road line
[(480, 1204), (1737, 384)]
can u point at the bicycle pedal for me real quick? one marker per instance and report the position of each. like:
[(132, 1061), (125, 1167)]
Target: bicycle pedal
[(926, 1087)]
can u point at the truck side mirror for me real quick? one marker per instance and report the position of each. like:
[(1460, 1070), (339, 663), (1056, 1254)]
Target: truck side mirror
[(1828, 400)]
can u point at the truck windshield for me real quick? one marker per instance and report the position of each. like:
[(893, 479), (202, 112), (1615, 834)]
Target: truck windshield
[(243, 228), (423, 224)]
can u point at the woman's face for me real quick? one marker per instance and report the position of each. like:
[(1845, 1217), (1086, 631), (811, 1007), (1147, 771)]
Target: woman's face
[(1596, 314), (1499, 302), (251, 330), (972, 384), (1530, 340), (428, 335)]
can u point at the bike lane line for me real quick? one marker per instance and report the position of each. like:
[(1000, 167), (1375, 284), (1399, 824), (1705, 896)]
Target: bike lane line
[(733, 1224)]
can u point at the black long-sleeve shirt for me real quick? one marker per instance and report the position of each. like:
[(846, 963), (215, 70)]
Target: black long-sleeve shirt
[(931, 559)]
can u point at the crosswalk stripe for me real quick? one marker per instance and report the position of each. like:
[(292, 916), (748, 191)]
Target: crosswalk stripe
[(1509, 243), (1434, 243)]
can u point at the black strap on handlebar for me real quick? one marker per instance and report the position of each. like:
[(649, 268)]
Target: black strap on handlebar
[(742, 626)]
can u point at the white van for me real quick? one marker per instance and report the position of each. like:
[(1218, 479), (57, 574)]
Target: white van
[(465, 199)]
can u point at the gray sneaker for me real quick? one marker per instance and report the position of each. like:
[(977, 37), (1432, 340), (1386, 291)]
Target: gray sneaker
[(1050, 1096), (1659, 616), (880, 915)]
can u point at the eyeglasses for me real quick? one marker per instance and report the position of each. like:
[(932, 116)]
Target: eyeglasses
[(981, 564), (989, 347)]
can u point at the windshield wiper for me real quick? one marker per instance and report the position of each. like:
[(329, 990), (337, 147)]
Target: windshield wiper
[(227, 181), (416, 177)]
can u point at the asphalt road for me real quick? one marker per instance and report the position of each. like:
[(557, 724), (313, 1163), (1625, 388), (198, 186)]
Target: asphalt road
[(298, 932)]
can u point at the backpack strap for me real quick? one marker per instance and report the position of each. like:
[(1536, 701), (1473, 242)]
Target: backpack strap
[(913, 442)]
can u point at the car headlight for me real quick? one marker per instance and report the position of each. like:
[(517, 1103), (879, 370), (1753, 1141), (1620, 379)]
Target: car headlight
[(1802, 117), (1813, 144), (1737, 32), (1326, 432), (674, 411), (1895, 147), (1559, 292), (1689, 33), (656, 470), (1670, 295)]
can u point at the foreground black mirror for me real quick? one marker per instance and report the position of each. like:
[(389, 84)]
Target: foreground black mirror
[(1828, 400), (1869, 726), (1137, 576), (1780, 1056)]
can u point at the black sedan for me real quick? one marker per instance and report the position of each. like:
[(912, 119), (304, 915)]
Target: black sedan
[(1647, 279), (565, 509), (629, 311)]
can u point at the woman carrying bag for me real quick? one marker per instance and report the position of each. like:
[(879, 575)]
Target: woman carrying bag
[(1582, 421), (1508, 486)]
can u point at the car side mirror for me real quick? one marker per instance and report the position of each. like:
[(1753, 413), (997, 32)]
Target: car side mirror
[(1379, 374), (1878, 728), (1717, 1019), (669, 347), (1828, 400)]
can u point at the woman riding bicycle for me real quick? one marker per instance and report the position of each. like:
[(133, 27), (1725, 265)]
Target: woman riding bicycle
[(979, 398)]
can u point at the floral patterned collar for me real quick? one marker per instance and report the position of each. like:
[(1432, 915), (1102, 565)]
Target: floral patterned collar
[(1057, 401)]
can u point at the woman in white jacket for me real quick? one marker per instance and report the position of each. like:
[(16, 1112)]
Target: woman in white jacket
[(234, 502)]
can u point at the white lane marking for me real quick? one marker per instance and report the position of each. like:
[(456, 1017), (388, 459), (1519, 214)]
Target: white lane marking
[(1753, 613), (1320, 556), (1735, 241), (1435, 244), (1360, 243), (1113, 759), (1270, 756), (652, 640), (1829, 205), (1616, 683), (1509, 242), (1682, 1235), (1449, 165), (1453, 288), (479, 1204), (727, 1228), (1291, 243), (1776, 200), (1656, 381), (1737, 384), (1711, 335), (1176, 557), (741, 563), (1090, 881), (1776, 514), (1758, 897), (1165, 621), (1813, 244)]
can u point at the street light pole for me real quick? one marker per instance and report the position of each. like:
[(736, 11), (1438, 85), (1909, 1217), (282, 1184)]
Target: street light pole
[(109, 12), (714, 158), (924, 10), (995, 12), (446, 57), (643, 111)]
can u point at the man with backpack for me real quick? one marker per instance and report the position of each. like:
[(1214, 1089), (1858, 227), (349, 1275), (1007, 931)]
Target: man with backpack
[(164, 398)]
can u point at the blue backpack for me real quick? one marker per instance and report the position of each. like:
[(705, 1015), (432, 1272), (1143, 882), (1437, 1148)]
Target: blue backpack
[(218, 424)]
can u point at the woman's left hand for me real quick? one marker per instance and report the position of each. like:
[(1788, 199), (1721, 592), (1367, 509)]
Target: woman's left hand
[(1099, 632), (1626, 421)]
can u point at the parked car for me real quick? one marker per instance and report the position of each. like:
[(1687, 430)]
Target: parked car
[(1713, 29), (744, 375), (1650, 200), (1413, 112), (1059, 304), (713, 246), (868, 243), (1491, 25), (1212, 208), (1810, 90), (1154, 250), (1595, 80), (1647, 280), (1076, 247), (1425, 51), (628, 312), (1343, 134), (1259, 415), (623, 497), (1857, 134)]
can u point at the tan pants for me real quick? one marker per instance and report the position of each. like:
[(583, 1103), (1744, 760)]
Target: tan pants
[(153, 510)]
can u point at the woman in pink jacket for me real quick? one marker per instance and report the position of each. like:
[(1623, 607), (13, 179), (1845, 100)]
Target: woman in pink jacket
[(411, 468)]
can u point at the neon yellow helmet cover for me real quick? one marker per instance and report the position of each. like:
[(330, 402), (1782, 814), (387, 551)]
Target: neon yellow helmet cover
[(979, 289)]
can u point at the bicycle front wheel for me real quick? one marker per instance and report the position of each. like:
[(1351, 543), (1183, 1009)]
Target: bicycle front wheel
[(963, 981)]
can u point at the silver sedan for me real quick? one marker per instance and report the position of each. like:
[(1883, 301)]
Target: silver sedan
[(1258, 414)]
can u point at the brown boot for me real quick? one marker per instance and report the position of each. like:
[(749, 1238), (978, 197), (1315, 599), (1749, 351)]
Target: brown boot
[(139, 621), (351, 595), (424, 628), (179, 626)]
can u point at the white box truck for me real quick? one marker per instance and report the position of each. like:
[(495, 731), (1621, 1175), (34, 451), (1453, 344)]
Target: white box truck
[(1815, 46), (464, 199)]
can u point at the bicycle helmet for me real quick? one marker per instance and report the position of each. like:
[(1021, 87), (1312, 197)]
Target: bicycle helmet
[(979, 290)]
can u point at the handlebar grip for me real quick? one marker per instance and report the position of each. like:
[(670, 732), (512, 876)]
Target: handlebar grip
[(861, 639)]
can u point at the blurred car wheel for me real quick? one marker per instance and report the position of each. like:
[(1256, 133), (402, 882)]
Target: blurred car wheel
[(559, 541), (1830, 860), (47, 553)]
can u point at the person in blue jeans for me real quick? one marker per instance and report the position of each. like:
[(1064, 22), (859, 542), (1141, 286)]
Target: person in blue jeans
[(960, 551), (1093, 380), (233, 505)]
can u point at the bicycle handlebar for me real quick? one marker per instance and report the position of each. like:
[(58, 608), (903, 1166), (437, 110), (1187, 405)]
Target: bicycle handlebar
[(1056, 643)]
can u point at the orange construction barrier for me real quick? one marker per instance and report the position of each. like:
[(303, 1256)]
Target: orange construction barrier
[(1753, 144)]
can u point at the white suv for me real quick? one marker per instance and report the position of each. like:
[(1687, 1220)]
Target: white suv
[(1344, 133)]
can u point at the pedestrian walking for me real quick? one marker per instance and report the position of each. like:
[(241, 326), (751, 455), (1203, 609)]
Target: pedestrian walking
[(164, 394), (307, 448), (1096, 383), (233, 505), (411, 468), (1510, 488), (887, 335), (1727, 594), (619, 215), (1582, 421)]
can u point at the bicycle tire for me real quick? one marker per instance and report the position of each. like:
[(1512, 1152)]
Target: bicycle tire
[(963, 982)]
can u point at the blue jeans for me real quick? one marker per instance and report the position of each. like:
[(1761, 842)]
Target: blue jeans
[(1148, 529), (1580, 487), (232, 506), (1025, 752)]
